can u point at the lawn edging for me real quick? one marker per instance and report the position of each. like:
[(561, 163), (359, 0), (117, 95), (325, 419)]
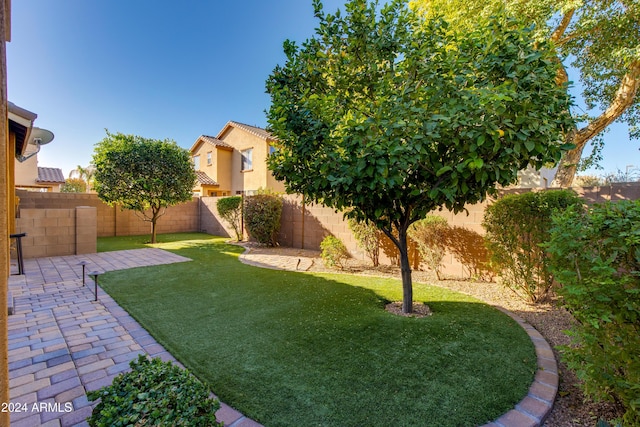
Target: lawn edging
[(534, 408)]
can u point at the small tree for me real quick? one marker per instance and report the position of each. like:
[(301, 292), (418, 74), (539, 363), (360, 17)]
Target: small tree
[(387, 117), (73, 185), (262, 214), (144, 175), (430, 235), (333, 252), (368, 238), (230, 209)]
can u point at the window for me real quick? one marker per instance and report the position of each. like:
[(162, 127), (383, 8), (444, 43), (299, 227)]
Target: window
[(247, 159), (196, 162), (209, 158)]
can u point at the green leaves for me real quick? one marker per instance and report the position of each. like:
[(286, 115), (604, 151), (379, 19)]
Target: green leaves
[(141, 174), (394, 117), (595, 257), (153, 393)]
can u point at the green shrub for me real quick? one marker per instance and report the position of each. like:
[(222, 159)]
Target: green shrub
[(262, 214), (368, 238), (516, 225), (230, 209), (334, 253), (154, 393), (595, 255), (430, 235)]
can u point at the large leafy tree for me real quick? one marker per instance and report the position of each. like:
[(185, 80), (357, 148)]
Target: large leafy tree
[(85, 174), (74, 185), (141, 174), (599, 39), (387, 117)]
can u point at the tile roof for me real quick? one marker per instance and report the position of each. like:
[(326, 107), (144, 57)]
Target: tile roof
[(209, 140), (215, 141), (254, 130), (204, 179), (50, 175)]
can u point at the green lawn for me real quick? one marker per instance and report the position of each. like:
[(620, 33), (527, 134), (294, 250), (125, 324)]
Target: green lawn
[(300, 349)]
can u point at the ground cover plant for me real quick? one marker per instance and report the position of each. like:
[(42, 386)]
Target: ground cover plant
[(289, 348), (154, 392)]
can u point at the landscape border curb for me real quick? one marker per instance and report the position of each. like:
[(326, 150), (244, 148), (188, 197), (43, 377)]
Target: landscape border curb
[(536, 406)]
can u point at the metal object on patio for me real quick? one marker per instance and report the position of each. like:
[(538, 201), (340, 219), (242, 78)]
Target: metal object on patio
[(18, 237), (94, 275), (84, 266)]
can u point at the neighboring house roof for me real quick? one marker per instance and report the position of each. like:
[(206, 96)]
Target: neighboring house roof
[(210, 140), (50, 175), (259, 132), (204, 179)]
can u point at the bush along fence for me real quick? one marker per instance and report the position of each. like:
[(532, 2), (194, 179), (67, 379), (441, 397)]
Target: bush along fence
[(595, 256)]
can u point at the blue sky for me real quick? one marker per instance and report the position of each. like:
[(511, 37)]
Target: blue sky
[(162, 69)]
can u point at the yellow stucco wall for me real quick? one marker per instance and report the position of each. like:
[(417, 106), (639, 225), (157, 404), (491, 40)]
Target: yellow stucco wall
[(259, 176), (223, 164), (216, 170), (5, 200), (27, 172)]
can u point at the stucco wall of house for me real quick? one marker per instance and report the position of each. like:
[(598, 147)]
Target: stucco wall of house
[(223, 165), (27, 172), (250, 180)]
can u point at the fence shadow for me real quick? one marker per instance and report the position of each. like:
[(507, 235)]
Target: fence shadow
[(468, 248)]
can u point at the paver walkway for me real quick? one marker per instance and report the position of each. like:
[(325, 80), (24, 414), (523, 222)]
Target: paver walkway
[(62, 343)]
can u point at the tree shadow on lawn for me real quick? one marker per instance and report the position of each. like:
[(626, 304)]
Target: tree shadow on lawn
[(288, 348)]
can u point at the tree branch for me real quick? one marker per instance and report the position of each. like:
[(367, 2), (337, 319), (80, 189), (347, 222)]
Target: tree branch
[(623, 99), (558, 33)]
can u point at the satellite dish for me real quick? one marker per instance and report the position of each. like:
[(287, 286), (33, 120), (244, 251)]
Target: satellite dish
[(40, 136)]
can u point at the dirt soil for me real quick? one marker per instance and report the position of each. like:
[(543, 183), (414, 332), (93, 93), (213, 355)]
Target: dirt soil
[(571, 408)]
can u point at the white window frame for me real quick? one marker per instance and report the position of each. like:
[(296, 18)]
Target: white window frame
[(246, 162)]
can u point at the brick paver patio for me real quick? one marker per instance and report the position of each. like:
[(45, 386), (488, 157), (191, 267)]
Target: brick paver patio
[(62, 343)]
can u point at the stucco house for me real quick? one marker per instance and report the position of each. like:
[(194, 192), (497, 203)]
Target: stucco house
[(31, 177), (234, 161)]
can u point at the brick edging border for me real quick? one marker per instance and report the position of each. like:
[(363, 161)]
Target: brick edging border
[(533, 410)]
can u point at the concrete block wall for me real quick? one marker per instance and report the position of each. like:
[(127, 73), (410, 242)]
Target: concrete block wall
[(303, 225), (113, 220), (86, 231), (210, 221), (54, 232)]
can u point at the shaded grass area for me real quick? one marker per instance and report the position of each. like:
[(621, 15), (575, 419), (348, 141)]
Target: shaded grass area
[(290, 349)]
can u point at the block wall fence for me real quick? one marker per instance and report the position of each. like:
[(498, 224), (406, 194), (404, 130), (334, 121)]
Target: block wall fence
[(304, 225)]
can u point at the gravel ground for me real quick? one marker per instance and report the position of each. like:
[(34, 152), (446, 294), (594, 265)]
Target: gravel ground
[(571, 408)]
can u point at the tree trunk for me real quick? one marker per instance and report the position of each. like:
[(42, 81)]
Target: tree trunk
[(153, 231), (405, 269), (155, 214)]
